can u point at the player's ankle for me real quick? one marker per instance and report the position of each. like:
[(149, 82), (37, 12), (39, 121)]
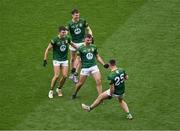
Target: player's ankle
[(91, 108), (73, 70), (75, 73), (75, 93), (59, 87)]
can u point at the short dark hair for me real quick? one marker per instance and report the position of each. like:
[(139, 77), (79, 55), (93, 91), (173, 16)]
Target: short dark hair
[(112, 62), (88, 36), (62, 28), (74, 11)]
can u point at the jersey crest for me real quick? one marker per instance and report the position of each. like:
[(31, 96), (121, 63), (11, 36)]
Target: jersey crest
[(62, 48), (77, 31), (89, 56)]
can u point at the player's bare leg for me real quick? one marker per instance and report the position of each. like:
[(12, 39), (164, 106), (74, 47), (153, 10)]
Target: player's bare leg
[(64, 70), (124, 106), (73, 58), (75, 67), (82, 79), (99, 100), (97, 78), (53, 81)]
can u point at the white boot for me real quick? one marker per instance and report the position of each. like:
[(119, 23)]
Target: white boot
[(129, 116), (50, 95), (86, 108), (59, 92)]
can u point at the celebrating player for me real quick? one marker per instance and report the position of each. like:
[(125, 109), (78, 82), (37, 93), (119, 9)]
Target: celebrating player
[(88, 54), (60, 46), (77, 28), (117, 89)]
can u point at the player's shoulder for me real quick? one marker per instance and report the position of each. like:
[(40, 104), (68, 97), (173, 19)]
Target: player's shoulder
[(120, 69), (82, 19), (81, 47), (69, 22), (67, 37), (93, 45), (54, 39), (111, 75)]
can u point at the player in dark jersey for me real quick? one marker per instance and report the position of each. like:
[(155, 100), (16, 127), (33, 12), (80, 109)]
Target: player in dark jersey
[(77, 29), (117, 89), (87, 56), (60, 45)]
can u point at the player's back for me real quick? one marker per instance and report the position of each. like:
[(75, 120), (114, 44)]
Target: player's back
[(117, 77)]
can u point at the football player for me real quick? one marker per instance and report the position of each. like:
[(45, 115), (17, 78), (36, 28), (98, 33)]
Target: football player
[(77, 28), (117, 89), (60, 45), (87, 55)]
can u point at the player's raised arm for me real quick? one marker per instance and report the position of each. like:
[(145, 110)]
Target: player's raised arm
[(46, 54), (67, 29), (89, 31)]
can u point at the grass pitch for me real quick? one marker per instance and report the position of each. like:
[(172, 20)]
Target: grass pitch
[(142, 35)]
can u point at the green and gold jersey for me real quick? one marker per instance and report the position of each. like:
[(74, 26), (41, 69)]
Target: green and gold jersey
[(88, 55), (117, 77), (77, 30), (60, 48)]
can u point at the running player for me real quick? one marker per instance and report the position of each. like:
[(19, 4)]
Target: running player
[(117, 89), (77, 29), (88, 55), (60, 46)]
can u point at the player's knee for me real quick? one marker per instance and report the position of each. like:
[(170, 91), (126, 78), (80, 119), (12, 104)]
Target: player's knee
[(100, 97), (73, 59), (65, 76), (56, 77), (120, 100), (98, 82), (80, 83)]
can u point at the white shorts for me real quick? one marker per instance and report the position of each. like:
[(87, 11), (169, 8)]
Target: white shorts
[(60, 63), (77, 44), (114, 95), (88, 71)]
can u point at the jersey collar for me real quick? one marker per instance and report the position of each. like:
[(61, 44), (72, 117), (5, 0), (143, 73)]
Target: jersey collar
[(114, 70), (75, 21), (60, 37)]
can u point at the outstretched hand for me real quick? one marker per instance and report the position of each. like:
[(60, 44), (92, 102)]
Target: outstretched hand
[(44, 63), (106, 66)]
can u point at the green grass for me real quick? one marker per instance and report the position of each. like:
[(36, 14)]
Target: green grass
[(142, 35)]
